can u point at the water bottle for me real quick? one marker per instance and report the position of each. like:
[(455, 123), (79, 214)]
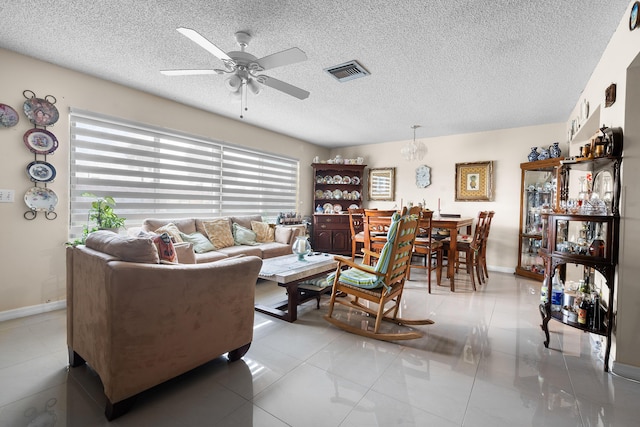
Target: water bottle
[(557, 293), (544, 290)]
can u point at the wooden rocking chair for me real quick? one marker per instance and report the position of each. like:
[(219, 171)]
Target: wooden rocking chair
[(381, 284)]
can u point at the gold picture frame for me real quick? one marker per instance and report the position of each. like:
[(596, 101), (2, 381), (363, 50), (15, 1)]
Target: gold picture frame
[(474, 182), (382, 184)]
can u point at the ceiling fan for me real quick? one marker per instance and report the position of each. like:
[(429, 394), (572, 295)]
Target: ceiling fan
[(243, 69)]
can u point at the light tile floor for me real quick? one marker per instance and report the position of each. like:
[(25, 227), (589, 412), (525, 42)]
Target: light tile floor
[(482, 363)]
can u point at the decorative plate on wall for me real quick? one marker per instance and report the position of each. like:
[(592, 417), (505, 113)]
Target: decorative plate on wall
[(41, 199), (8, 116), (634, 16), (41, 171), (40, 141), (41, 112)]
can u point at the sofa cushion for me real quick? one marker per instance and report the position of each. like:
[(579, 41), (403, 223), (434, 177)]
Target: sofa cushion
[(240, 250), (166, 251), (245, 220), (200, 242), (185, 253), (172, 230), (243, 236), (283, 234), (132, 249), (210, 257), (219, 232), (264, 232), (186, 225), (274, 249)]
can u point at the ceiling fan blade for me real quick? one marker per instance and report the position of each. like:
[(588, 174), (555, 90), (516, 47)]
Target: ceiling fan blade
[(294, 91), (205, 44), (286, 57), (188, 72)]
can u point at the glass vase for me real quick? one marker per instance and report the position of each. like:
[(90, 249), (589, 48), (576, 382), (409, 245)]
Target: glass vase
[(301, 247)]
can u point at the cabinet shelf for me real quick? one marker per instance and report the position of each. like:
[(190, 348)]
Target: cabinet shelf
[(557, 315)]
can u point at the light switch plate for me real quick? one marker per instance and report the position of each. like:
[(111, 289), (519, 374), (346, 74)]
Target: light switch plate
[(6, 196)]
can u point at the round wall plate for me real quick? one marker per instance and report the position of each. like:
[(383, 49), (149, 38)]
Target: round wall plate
[(634, 16)]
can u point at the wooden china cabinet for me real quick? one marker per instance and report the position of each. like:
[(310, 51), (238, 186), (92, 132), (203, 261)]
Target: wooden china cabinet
[(336, 188), (579, 244)]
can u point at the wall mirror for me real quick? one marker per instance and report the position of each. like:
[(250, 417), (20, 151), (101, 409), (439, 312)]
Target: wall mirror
[(382, 183)]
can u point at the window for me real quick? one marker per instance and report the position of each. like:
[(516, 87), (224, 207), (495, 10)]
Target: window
[(153, 172)]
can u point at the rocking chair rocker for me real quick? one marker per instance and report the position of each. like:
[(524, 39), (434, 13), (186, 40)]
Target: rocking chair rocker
[(381, 284)]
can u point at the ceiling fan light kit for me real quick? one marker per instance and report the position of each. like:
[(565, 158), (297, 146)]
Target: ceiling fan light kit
[(244, 68)]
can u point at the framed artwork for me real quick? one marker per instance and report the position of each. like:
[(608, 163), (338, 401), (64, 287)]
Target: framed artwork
[(474, 182), (382, 184)]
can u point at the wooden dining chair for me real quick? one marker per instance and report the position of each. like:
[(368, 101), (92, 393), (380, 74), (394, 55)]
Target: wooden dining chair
[(483, 250), (375, 225), (356, 225), (427, 248), (381, 285), (470, 248), (413, 210)]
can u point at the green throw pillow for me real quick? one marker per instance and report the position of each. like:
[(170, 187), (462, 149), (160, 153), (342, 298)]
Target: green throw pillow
[(243, 236), (200, 242)]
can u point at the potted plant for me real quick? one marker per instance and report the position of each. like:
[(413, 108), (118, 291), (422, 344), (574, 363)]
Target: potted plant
[(101, 211), (102, 214)]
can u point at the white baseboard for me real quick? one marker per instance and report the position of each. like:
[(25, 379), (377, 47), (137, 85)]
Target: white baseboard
[(508, 270), (32, 309), (626, 371)]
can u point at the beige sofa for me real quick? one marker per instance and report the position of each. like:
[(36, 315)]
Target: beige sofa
[(284, 236), (139, 323)]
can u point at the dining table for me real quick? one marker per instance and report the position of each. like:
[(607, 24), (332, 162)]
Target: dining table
[(376, 239), (453, 224)]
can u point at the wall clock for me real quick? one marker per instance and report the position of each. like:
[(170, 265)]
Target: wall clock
[(634, 16), (423, 176)]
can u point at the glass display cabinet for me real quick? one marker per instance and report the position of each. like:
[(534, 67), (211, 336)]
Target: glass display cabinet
[(541, 191)]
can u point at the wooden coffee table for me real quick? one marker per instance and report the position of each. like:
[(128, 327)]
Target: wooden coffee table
[(288, 272)]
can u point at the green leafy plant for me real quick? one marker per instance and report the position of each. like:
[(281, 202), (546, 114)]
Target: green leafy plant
[(102, 215), (101, 211)]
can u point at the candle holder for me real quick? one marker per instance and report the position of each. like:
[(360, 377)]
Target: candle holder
[(301, 247)]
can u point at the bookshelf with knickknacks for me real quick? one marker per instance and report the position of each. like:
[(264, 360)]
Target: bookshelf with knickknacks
[(337, 187), (579, 241)]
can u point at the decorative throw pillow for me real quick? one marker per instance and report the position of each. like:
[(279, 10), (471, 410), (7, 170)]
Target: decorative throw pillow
[(185, 253), (264, 232), (243, 236), (219, 232), (166, 251), (200, 242), (283, 234), (172, 230)]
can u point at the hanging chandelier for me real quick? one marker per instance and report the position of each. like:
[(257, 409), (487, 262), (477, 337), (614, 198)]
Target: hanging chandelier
[(414, 150)]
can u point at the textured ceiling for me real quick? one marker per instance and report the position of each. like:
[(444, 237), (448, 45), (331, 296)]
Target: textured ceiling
[(452, 66)]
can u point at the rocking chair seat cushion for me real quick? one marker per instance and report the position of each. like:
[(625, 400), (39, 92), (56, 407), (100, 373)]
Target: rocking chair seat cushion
[(358, 278), (368, 280)]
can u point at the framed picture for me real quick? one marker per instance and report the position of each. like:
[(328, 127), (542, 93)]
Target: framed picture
[(382, 184), (474, 182)]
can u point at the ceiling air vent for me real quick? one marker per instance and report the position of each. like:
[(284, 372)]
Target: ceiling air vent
[(347, 71)]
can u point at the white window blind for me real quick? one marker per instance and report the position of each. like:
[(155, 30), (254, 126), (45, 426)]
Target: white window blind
[(157, 173)]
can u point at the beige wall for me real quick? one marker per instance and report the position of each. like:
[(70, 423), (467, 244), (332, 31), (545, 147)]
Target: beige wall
[(32, 252)]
